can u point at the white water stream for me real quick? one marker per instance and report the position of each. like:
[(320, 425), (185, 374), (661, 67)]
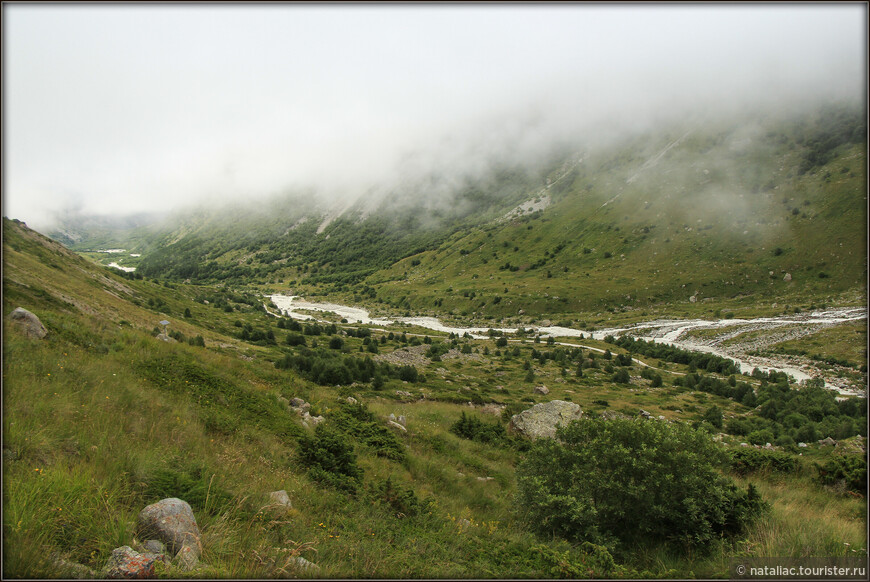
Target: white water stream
[(672, 332)]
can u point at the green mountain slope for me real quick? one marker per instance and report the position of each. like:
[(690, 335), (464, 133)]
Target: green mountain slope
[(762, 210)]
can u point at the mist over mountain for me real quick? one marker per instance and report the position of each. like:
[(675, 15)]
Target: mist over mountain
[(160, 112)]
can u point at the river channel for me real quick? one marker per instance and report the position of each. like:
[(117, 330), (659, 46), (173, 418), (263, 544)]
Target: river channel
[(668, 331)]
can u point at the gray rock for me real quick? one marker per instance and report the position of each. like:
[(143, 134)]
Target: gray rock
[(154, 547), (304, 564), (351, 400), (280, 498), (828, 442), (314, 420), (172, 522), (802, 445), (396, 425), (402, 420), (644, 413), (28, 323), (542, 390), (787, 277), (392, 417), (296, 402), (540, 421), (68, 569), (165, 338), (125, 562)]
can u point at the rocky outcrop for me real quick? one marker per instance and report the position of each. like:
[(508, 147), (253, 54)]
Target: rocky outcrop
[(27, 323), (172, 522), (540, 421), (542, 390)]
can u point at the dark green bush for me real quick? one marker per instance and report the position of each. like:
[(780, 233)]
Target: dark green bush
[(632, 482), (330, 458), (851, 470), (475, 429), (748, 460), (400, 499)]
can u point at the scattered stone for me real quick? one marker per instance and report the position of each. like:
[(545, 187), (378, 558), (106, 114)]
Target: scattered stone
[(787, 277), (744, 444), (402, 420), (304, 564), (542, 390), (610, 415), (165, 338), (661, 417), (768, 446), (154, 547), (802, 445), (280, 498), (540, 420), (172, 522), (352, 400), (644, 413), (397, 426), (485, 479), (404, 394), (392, 417), (296, 402), (125, 562), (28, 323), (314, 420), (828, 442), (69, 569), (460, 474)]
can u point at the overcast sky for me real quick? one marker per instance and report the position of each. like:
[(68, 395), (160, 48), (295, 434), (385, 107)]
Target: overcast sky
[(128, 108)]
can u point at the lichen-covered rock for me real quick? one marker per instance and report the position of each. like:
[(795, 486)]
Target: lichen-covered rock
[(172, 522), (28, 323), (125, 562), (540, 421), (542, 390)]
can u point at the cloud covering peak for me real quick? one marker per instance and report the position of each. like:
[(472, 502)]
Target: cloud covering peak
[(124, 108)]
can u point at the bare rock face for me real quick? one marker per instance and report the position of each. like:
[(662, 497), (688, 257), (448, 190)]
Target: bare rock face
[(540, 421), (171, 521), (28, 323)]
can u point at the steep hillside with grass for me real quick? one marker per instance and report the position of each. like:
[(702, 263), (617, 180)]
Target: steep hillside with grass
[(107, 414)]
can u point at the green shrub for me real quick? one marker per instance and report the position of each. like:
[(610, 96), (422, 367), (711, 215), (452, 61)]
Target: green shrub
[(748, 460), (474, 429), (631, 482), (194, 484), (400, 499), (851, 470), (330, 459)]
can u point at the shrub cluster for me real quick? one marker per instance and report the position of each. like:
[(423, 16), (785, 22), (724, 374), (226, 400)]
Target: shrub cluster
[(747, 460), (475, 429), (631, 482), (850, 470)]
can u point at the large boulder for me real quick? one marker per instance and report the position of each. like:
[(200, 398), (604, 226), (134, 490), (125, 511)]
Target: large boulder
[(172, 522), (28, 323), (540, 421)]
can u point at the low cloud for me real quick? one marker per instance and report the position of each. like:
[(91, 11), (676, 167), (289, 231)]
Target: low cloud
[(134, 108)]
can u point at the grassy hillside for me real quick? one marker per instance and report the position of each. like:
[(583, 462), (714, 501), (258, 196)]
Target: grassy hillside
[(101, 418)]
